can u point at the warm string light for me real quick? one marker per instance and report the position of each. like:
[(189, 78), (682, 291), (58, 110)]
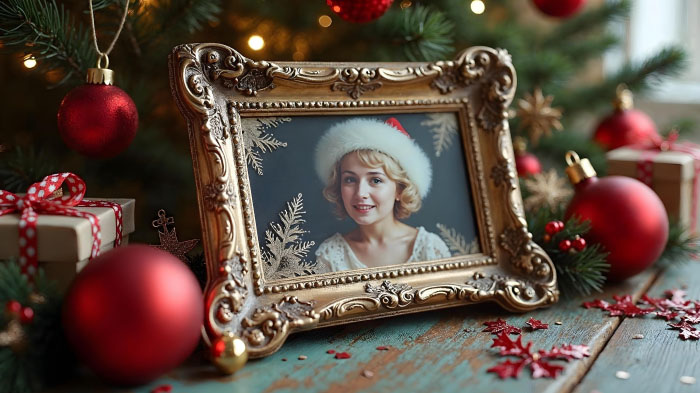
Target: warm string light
[(478, 7), (256, 42), (325, 20), (405, 4), (29, 61)]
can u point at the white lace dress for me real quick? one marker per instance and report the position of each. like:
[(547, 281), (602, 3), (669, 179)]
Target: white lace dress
[(335, 254)]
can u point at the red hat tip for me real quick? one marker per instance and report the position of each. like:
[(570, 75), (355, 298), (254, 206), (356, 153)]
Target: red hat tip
[(392, 121)]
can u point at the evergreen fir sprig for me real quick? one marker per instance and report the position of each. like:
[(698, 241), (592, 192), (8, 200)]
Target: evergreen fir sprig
[(23, 167), (641, 77), (49, 33), (46, 359), (682, 246), (424, 33), (586, 23), (580, 272)]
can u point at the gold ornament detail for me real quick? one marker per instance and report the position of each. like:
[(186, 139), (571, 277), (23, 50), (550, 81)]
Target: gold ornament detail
[(229, 353), (13, 336), (444, 130), (257, 142), (285, 251), (546, 190), (456, 241), (168, 238), (537, 115)]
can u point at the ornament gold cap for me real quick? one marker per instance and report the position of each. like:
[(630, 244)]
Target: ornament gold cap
[(519, 145), (229, 353), (578, 169), (624, 99), (100, 76)]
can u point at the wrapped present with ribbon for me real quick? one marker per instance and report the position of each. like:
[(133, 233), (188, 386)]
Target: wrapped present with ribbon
[(52, 226), (671, 168)]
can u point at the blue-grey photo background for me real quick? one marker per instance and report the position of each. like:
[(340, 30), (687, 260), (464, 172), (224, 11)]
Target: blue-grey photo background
[(289, 171)]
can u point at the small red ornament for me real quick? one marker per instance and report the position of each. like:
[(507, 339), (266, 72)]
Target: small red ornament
[(133, 314), (359, 11), (559, 8), (27, 315), (97, 119), (527, 164), (553, 227), (579, 243), (13, 308), (565, 245), (625, 126), (627, 218)]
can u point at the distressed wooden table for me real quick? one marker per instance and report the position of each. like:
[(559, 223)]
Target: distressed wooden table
[(446, 351)]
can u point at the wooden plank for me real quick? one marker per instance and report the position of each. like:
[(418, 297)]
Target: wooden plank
[(443, 350), (658, 361)]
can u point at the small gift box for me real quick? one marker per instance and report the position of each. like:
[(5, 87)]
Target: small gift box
[(671, 169), (60, 233)]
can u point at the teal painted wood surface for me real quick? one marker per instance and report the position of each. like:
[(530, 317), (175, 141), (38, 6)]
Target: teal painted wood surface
[(658, 361), (443, 351)]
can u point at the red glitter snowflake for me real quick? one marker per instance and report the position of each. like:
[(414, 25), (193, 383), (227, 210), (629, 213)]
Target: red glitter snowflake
[(538, 361), (499, 326), (535, 324), (674, 306)]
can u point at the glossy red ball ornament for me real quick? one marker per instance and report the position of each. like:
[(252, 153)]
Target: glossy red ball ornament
[(527, 164), (133, 314), (559, 8), (565, 245), (97, 120), (552, 227), (359, 11), (627, 218), (625, 126), (26, 315), (579, 244), (13, 308)]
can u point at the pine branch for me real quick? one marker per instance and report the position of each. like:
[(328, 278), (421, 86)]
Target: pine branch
[(586, 23), (578, 273), (681, 247), (424, 33), (49, 33), (22, 168), (638, 77)]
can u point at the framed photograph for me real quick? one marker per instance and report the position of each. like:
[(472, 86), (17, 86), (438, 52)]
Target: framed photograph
[(339, 192)]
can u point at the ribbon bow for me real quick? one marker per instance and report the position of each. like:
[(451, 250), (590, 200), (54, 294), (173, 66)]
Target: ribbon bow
[(38, 200)]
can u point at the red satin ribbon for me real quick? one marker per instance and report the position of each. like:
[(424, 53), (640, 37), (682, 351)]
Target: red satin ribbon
[(658, 145), (37, 201)]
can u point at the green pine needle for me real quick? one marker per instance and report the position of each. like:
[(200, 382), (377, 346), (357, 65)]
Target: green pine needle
[(47, 358), (49, 33), (424, 33), (682, 246), (23, 167)]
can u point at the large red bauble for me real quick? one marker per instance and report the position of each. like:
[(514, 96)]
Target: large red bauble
[(97, 120), (625, 127), (527, 164), (627, 218), (133, 314), (559, 8), (359, 11)]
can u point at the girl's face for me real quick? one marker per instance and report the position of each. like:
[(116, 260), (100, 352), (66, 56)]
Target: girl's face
[(368, 193)]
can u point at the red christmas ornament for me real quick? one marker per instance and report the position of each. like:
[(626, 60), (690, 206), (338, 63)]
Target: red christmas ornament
[(553, 227), (559, 8), (579, 244), (359, 11), (526, 163), (133, 314), (27, 315), (625, 126), (13, 308), (565, 245), (98, 119), (627, 218)]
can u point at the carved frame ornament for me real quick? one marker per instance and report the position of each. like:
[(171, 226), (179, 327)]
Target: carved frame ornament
[(214, 86)]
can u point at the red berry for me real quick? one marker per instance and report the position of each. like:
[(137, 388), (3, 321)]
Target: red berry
[(27, 315), (560, 225), (552, 227), (579, 243), (565, 245), (13, 307)]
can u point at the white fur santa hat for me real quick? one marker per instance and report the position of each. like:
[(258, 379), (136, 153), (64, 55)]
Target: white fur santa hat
[(372, 134)]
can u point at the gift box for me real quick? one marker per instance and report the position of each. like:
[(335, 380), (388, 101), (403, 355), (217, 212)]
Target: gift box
[(670, 169), (64, 243)]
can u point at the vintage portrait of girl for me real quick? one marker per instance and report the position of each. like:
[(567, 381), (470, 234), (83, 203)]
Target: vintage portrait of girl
[(376, 175)]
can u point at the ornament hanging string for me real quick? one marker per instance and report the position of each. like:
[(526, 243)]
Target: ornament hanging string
[(105, 55)]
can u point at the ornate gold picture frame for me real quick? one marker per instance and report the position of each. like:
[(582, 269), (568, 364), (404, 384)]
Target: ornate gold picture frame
[(222, 94)]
